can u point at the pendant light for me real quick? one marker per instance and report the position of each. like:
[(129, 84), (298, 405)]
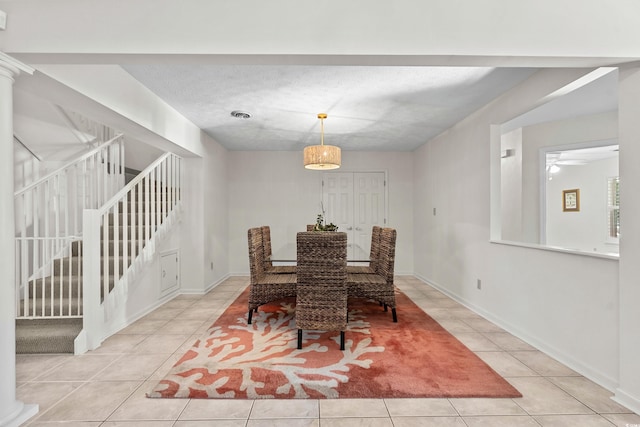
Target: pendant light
[(322, 157)]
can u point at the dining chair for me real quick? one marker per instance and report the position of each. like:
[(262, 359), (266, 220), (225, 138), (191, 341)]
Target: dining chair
[(372, 268), (268, 264), (321, 300), (263, 287), (311, 227), (378, 286)]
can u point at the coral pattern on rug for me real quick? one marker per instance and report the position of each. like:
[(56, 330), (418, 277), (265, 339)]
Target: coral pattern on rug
[(261, 360)]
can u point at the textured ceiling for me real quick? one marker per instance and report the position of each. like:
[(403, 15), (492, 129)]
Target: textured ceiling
[(369, 108)]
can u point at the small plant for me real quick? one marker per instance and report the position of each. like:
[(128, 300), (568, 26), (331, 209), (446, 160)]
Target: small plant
[(321, 226)]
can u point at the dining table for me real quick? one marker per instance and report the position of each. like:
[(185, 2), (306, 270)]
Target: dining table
[(287, 254)]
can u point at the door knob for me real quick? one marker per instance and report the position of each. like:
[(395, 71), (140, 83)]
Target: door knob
[(349, 228), (358, 229)]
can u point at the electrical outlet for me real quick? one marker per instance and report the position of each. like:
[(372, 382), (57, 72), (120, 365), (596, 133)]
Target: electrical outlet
[(3, 20), (212, 265), (434, 211), (479, 284)]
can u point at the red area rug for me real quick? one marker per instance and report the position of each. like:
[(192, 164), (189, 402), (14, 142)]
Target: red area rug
[(415, 357)]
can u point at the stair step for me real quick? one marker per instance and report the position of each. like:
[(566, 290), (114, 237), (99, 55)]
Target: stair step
[(73, 265), (75, 248), (46, 336)]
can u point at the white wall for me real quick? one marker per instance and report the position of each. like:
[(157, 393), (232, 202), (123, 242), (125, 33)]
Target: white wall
[(273, 188), (565, 304), (585, 230)]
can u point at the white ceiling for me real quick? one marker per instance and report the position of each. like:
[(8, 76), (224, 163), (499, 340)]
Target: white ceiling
[(377, 108)]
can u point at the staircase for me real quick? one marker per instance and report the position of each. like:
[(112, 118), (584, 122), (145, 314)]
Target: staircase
[(60, 294), (52, 302)]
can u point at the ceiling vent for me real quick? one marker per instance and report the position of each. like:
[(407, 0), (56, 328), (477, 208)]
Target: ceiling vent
[(240, 114)]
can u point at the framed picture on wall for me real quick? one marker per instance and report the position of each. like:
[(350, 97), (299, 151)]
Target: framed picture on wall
[(571, 200)]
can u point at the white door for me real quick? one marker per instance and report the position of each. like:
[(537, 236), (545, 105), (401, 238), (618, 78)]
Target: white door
[(355, 202)]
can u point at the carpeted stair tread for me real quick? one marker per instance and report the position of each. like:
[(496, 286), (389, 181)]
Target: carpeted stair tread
[(44, 336)]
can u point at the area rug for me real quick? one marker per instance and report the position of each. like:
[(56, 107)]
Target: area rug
[(415, 357)]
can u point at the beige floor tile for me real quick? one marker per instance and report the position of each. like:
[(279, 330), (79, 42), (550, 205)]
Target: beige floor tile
[(623, 420), (45, 394), (119, 344), (508, 342), (143, 327), (65, 424), (475, 341), (268, 408), (32, 366), (481, 324), (419, 407), (138, 367), (595, 397), (203, 409), (211, 423), (475, 407), (181, 327), (454, 325), (501, 421), (164, 369), (80, 368), (356, 422), (572, 420), (541, 397), (285, 422), (197, 313), (93, 401), (543, 364), (343, 408), (140, 407), (138, 423), (428, 422), (164, 313), (505, 364), (165, 344)]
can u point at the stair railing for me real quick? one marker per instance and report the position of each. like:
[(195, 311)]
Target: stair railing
[(48, 216), (119, 238)]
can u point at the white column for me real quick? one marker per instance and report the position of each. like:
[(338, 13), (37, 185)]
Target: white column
[(12, 411), (628, 392)]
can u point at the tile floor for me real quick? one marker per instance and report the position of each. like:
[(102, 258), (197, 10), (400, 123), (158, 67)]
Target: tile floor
[(107, 387)]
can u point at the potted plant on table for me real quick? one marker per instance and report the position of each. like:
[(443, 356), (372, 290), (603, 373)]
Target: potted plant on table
[(321, 226)]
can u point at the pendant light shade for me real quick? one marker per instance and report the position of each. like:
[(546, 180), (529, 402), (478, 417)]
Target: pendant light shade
[(322, 157)]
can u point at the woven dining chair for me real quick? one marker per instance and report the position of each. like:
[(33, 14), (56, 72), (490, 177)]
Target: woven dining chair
[(311, 227), (321, 300), (372, 268), (268, 264), (263, 287), (378, 286)]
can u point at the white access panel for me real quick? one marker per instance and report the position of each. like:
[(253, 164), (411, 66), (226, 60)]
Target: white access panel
[(169, 272)]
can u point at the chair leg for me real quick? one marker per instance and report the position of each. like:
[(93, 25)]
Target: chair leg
[(386, 308), (393, 313), (342, 340), (250, 316), (299, 339)]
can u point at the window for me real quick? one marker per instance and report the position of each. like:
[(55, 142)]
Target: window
[(613, 209)]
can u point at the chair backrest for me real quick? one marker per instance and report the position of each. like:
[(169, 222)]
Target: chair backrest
[(321, 258), (310, 227), (266, 243), (375, 247), (256, 253), (387, 253)]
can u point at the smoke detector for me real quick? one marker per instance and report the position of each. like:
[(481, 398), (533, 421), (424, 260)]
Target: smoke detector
[(240, 114)]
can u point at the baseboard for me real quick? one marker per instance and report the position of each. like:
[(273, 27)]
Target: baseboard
[(23, 413), (594, 375), (205, 290), (627, 401)]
